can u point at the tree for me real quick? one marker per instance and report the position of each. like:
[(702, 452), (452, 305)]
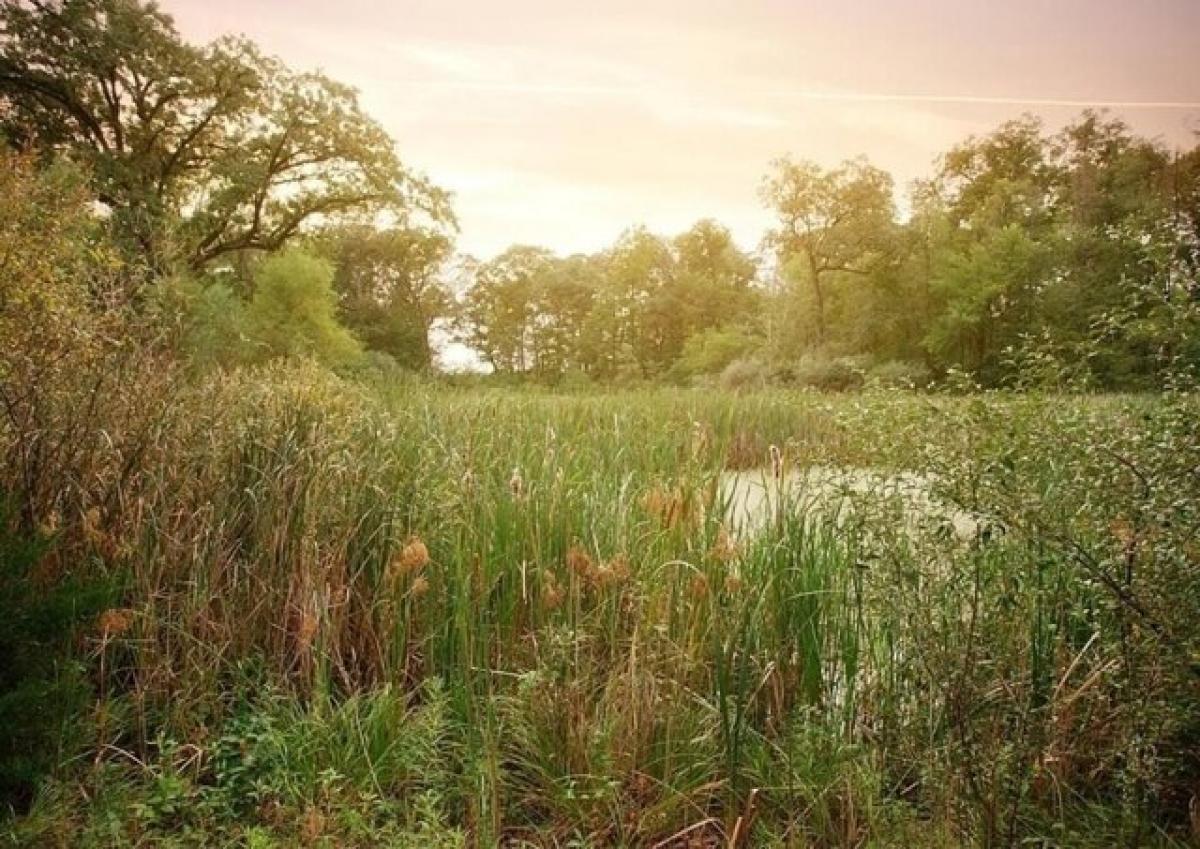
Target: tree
[(199, 152), (497, 312), (835, 222), (389, 287), (293, 311)]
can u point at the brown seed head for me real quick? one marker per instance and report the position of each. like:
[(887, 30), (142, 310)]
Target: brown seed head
[(724, 549), (420, 586), (579, 561), (552, 595), (414, 556), (115, 621)]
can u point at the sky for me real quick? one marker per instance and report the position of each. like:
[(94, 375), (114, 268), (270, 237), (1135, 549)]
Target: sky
[(562, 123)]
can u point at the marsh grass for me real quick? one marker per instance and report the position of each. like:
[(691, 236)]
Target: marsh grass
[(519, 617)]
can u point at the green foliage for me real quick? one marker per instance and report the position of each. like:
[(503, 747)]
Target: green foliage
[(293, 311), (44, 690), (710, 351), (200, 152)]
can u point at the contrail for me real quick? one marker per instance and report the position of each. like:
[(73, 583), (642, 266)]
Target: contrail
[(995, 101), (829, 96)]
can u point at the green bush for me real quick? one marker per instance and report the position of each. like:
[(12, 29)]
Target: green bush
[(841, 374), (44, 689), (899, 374)]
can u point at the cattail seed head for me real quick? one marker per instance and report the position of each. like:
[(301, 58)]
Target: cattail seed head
[(579, 561), (620, 569), (724, 549), (552, 595), (48, 527), (115, 621)]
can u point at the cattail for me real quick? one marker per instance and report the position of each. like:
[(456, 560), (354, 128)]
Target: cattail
[(516, 484), (48, 527), (619, 568), (91, 527), (313, 826), (701, 441), (115, 621), (776, 462), (579, 561), (654, 502), (724, 549), (552, 595), (413, 557)]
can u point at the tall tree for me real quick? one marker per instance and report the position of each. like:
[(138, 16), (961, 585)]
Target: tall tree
[(835, 222), (389, 286), (200, 152)]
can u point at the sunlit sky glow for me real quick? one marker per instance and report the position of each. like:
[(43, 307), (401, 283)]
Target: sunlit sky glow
[(562, 123)]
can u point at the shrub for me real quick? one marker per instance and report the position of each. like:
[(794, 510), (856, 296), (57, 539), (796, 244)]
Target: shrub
[(829, 375), (899, 374), (744, 374), (711, 351)]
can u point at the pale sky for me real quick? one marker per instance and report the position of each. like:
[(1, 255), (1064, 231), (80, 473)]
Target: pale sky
[(562, 123)]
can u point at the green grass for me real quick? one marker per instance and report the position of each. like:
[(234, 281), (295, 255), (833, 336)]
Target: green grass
[(586, 660)]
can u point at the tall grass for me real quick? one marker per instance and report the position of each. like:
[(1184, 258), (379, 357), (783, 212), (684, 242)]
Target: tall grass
[(527, 616)]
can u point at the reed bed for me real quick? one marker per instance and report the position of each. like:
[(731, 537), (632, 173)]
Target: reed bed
[(373, 615)]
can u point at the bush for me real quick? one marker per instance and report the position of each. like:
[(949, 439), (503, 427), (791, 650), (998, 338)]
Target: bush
[(744, 374), (829, 375), (711, 351), (899, 374)]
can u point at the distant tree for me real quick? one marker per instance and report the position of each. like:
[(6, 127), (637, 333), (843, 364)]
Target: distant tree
[(834, 222), (496, 315), (389, 286), (199, 152), (642, 308)]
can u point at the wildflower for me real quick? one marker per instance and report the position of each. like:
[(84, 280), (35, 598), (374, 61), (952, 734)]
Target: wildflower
[(115, 621)]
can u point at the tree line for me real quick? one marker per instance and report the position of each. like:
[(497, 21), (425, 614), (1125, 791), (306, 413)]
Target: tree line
[(264, 214)]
